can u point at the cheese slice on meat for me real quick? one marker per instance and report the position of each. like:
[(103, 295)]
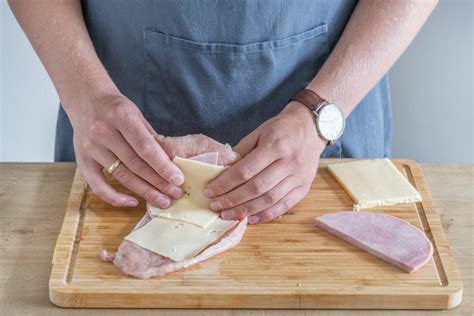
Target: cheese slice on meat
[(178, 240), (193, 207), (375, 182), (187, 227)]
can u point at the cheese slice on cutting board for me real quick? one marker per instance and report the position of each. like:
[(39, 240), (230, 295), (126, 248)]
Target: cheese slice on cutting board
[(178, 240), (375, 182), (193, 207)]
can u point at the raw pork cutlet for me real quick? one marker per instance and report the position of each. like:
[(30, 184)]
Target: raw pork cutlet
[(386, 237), (141, 263), (196, 144)]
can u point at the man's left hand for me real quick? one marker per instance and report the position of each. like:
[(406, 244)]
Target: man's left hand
[(279, 163)]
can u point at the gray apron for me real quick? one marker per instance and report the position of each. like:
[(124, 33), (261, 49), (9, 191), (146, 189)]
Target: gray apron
[(222, 68)]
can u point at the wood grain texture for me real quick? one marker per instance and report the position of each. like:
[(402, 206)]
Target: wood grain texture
[(288, 263)]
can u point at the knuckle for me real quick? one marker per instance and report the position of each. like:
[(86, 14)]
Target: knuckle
[(218, 187), (227, 201), (147, 194), (137, 165), (98, 128), (282, 146), (164, 169), (87, 145), (122, 176), (145, 148), (259, 186), (242, 210), (271, 197), (299, 160), (163, 185), (244, 172), (121, 112)]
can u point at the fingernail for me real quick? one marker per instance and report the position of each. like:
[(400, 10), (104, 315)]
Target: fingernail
[(131, 203), (177, 179), (254, 219), (208, 193), (228, 214), (215, 205), (162, 202), (175, 192)]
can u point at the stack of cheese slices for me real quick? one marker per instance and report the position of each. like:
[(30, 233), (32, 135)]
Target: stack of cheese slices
[(187, 227)]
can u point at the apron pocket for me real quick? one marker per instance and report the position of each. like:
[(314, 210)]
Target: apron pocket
[(225, 90)]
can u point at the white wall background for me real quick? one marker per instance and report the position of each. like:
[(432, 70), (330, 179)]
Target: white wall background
[(432, 89), (28, 101), (432, 86)]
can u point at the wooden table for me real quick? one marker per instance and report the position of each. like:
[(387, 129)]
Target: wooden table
[(33, 199)]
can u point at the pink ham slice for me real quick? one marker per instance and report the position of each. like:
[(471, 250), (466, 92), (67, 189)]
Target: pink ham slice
[(141, 263), (210, 158), (386, 237)]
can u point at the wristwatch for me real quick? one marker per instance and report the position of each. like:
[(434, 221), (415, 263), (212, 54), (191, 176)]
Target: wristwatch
[(330, 121)]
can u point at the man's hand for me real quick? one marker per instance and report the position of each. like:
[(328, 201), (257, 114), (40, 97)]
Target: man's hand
[(279, 163), (107, 126), (111, 127)]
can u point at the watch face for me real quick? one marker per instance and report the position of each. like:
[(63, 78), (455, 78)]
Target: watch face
[(330, 122)]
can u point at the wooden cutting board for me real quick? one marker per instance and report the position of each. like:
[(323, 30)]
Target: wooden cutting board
[(287, 263)]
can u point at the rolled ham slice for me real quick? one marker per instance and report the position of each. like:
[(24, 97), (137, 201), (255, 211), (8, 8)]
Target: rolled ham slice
[(386, 237), (210, 158), (196, 144)]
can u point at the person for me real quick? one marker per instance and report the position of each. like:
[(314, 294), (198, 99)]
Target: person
[(232, 70)]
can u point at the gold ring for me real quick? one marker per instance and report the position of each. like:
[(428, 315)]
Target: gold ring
[(113, 166)]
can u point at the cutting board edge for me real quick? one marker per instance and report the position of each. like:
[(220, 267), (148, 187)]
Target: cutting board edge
[(61, 296), (437, 234), (68, 235)]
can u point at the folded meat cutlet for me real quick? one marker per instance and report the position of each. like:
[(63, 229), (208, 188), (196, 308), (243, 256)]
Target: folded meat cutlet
[(141, 263)]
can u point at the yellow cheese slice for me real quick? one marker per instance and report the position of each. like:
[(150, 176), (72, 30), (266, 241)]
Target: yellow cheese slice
[(178, 240), (375, 182), (193, 207)]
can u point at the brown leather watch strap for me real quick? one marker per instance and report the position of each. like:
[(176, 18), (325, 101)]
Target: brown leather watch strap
[(310, 99)]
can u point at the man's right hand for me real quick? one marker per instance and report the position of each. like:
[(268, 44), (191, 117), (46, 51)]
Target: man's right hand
[(111, 127)]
